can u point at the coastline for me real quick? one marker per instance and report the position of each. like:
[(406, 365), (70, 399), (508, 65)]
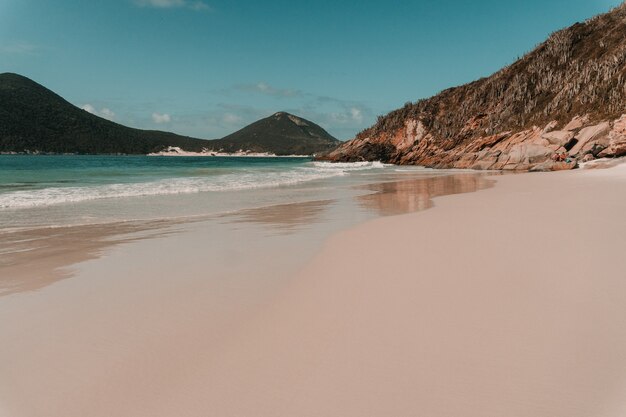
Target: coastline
[(34, 256), (376, 322), (176, 151)]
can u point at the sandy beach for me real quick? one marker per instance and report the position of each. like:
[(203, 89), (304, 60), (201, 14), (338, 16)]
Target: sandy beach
[(508, 301), (258, 209)]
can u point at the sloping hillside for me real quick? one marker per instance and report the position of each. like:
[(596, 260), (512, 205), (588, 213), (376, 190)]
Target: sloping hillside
[(33, 118), (563, 101), (281, 132)]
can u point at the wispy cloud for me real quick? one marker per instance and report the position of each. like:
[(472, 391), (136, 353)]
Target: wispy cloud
[(341, 117), (218, 121), (196, 5), (268, 90), (159, 118), (241, 104), (231, 119), (18, 48), (199, 6), (352, 114), (345, 111), (104, 112)]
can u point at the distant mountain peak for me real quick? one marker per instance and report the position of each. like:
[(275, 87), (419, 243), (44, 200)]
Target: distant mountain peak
[(281, 133), (34, 119)]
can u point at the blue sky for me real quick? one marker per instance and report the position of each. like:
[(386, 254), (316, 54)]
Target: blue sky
[(206, 68)]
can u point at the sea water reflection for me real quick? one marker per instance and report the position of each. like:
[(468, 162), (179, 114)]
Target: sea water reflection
[(406, 196), (32, 259)]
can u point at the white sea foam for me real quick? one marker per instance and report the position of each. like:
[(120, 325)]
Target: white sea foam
[(248, 179), (350, 166)]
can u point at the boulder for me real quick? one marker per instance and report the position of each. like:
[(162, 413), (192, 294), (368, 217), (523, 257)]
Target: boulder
[(553, 166), (558, 137), (484, 164), (550, 126), (528, 153), (589, 134), (617, 139), (561, 166), (543, 167), (576, 123)]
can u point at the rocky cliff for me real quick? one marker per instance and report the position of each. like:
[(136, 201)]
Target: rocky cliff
[(561, 103)]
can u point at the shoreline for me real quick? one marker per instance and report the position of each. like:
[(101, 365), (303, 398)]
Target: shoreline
[(39, 255), (183, 153), (376, 321)]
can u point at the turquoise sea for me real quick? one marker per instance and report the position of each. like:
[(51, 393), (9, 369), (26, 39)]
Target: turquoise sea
[(29, 181), (54, 190)]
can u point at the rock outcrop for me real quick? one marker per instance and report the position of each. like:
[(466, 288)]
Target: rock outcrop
[(562, 103)]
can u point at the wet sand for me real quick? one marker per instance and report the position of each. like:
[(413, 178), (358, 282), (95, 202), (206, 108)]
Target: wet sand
[(32, 259), (505, 302)]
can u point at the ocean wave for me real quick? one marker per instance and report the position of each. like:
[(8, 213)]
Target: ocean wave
[(245, 179), (239, 181)]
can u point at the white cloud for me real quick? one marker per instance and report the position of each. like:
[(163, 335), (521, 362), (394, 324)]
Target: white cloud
[(19, 47), (350, 114), (230, 118), (172, 4), (262, 87), (268, 90), (104, 112), (356, 114), (161, 118), (89, 108), (198, 5), (107, 113)]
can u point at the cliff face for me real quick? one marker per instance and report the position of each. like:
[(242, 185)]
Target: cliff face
[(561, 103)]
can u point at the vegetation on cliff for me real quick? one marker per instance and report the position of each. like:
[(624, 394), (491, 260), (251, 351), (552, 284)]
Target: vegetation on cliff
[(578, 71)]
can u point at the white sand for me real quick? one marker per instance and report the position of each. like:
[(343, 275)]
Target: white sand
[(506, 302)]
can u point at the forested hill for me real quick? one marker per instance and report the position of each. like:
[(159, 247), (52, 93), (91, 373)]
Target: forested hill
[(285, 133), (35, 119)]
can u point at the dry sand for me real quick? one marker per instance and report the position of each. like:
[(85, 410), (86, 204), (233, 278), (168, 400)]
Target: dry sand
[(506, 302)]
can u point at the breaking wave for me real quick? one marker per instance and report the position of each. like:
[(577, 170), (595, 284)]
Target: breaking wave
[(246, 179)]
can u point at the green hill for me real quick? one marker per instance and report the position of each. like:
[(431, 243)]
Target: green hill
[(35, 119), (282, 132)]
